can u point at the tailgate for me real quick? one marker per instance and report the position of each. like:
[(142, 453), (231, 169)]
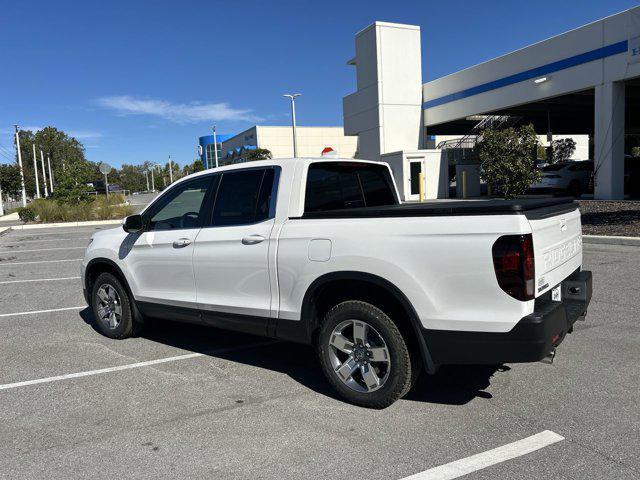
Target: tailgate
[(557, 246)]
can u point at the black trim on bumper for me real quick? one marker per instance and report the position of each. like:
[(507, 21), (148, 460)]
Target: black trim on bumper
[(530, 340)]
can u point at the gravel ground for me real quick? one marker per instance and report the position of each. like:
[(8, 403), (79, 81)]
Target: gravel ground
[(610, 218)]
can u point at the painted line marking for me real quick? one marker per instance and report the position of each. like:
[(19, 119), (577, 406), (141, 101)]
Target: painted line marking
[(33, 312), (18, 250), (51, 240), (490, 457), (27, 233), (130, 366), (41, 261), (39, 280)]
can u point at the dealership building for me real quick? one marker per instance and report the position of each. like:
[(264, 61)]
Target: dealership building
[(311, 141), (585, 82)]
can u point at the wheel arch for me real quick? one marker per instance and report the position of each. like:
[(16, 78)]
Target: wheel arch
[(100, 265), (368, 287)]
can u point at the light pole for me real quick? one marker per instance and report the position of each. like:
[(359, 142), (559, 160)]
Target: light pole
[(215, 145), (35, 171), (293, 96), (146, 176), (44, 175), (153, 180), (50, 174), (170, 171), (24, 192)]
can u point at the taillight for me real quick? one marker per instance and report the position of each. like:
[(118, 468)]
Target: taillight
[(514, 265)]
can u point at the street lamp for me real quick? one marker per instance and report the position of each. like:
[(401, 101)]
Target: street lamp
[(215, 146), (292, 97)]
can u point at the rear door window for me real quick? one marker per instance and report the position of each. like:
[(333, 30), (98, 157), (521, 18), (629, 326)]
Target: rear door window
[(340, 185), (244, 196)]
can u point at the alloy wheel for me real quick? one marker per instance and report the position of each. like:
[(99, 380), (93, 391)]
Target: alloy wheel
[(359, 356), (109, 306)]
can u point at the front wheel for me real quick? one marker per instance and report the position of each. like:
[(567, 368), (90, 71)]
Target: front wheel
[(112, 307), (363, 355)]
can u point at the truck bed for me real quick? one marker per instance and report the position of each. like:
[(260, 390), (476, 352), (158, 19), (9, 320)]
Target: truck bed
[(531, 207)]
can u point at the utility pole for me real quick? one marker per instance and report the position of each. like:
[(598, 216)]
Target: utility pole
[(153, 182), (1, 205), (44, 175), (24, 192), (170, 171), (35, 171), (146, 176), (50, 174), (293, 96), (215, 145)]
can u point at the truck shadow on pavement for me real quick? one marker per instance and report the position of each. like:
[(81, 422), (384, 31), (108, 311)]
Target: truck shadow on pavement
[(451, 385)]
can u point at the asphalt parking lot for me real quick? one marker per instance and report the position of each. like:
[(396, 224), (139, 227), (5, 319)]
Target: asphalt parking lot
[(188, 402)]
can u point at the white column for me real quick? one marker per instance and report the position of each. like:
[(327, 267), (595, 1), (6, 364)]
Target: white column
[(35, 171), (609, 141)]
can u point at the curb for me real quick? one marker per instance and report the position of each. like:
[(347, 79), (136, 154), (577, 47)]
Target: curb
[(4, 230), (66, 224), (607, 240)]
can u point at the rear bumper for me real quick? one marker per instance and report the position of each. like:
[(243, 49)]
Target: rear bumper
[(533, 337)]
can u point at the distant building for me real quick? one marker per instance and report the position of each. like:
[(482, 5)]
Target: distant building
[(206, 149), (279, 141)]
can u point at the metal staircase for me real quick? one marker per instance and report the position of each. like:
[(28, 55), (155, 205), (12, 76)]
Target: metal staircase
[(460, 150)]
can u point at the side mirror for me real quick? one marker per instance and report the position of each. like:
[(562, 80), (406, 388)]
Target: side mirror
[(132, 224)]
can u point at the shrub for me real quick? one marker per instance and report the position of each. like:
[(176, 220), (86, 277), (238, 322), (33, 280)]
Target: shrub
[(26, 214), (507, 159), (47, 210)]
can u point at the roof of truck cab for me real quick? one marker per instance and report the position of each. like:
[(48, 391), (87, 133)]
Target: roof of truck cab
[(281, 161)]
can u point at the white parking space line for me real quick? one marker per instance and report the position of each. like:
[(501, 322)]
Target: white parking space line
[(29, 233), (49, 240), (41, 261), (33, 312), (18, 250), (130, 366), (486, 459), (39, 280)]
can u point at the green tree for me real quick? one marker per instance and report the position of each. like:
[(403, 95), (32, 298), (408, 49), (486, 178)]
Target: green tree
[(562, 149), (57, 145), (10, 180), (258, 154), (507, 159), (71, 186)]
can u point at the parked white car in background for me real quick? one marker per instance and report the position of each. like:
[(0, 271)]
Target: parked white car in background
[(322, 252), (570, 177)]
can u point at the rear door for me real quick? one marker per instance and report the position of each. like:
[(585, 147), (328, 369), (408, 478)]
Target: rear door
[(231, 256), (557, 245)]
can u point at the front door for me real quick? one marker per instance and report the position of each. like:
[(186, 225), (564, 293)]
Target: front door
[(231, 255), (161, 257)]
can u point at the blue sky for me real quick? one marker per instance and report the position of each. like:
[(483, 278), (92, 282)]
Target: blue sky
[(139, 80)]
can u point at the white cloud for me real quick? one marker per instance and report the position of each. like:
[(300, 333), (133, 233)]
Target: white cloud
[(84, 134), (193, 112)]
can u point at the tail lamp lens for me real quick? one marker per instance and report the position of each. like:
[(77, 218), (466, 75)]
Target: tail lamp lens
[(514, 265)]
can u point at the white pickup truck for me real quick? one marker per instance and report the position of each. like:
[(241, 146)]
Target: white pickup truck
[(322, 252)]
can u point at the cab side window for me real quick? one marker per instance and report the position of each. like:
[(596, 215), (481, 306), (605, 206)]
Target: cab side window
[(183, 207)]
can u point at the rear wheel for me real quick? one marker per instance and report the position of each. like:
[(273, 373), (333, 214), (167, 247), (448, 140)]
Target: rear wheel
[(574, 189), (364, 355), (112, 307)]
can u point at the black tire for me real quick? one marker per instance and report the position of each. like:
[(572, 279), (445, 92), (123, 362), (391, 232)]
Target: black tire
[(401, 368), (574, 189), (127, 326)]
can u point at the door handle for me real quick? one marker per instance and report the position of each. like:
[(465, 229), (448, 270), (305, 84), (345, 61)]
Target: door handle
[(181, 243), (252, 239)]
